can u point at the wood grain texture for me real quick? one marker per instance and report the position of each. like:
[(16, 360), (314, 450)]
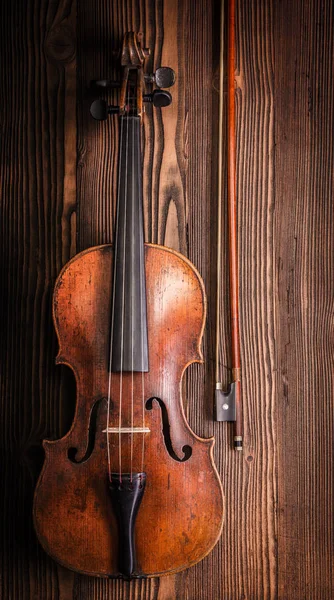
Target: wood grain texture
[(278, 538), (250, 479), (38, 49), (305, 302)]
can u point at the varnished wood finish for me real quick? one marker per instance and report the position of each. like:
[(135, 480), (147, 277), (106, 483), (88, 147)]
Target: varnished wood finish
[(277, 541), (132, 56), (181, 514)]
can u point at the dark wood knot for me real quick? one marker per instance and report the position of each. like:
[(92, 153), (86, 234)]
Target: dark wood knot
[(60, 43)]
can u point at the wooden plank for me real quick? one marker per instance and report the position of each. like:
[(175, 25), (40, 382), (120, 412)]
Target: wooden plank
[(38, 195), (248, 562), (278, 537), (304, 94)]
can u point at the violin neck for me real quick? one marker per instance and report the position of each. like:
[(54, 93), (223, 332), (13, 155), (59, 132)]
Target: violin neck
[(129, 347)]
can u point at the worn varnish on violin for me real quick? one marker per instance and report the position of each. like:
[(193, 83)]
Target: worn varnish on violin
[(130, 491)]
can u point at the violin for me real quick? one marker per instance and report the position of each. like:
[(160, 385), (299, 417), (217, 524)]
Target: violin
[(130, 490)]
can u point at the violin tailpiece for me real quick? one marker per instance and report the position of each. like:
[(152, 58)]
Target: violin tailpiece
[(126, 492)]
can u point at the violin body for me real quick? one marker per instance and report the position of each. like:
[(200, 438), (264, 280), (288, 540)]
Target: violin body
[(130, 491), (181, 511)]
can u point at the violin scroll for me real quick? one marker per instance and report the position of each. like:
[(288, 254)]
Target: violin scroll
[(131, 86)]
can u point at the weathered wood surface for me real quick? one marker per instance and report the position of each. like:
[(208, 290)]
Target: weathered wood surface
[(278, 538)]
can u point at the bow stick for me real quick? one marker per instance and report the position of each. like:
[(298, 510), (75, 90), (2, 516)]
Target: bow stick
[(228, 404)]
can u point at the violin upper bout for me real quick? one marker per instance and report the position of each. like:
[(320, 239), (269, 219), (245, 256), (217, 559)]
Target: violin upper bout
[(177, 304), (81, 305)]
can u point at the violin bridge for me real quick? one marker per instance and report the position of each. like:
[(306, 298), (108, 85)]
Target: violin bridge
[(126, 430)]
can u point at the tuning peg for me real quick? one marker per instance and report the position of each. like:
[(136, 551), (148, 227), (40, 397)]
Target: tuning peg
[(100, 110), (104, 84), (164, 77), (159, 98)]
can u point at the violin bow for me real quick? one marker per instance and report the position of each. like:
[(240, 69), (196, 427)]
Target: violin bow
[(228, 404)]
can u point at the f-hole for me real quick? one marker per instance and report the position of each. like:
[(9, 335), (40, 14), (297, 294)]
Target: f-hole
[(72, 452), (187, 450)]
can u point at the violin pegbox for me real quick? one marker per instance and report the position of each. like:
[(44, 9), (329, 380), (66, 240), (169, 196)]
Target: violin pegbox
[(132, 57)]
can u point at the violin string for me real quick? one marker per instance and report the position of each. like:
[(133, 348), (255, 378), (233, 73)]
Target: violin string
[(132, 297), (142, 259), (113, 296), (123, 304)]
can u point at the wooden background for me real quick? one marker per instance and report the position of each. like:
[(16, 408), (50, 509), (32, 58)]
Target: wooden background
[(57, 173)]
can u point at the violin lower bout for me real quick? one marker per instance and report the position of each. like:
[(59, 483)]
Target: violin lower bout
[(181, 512)]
